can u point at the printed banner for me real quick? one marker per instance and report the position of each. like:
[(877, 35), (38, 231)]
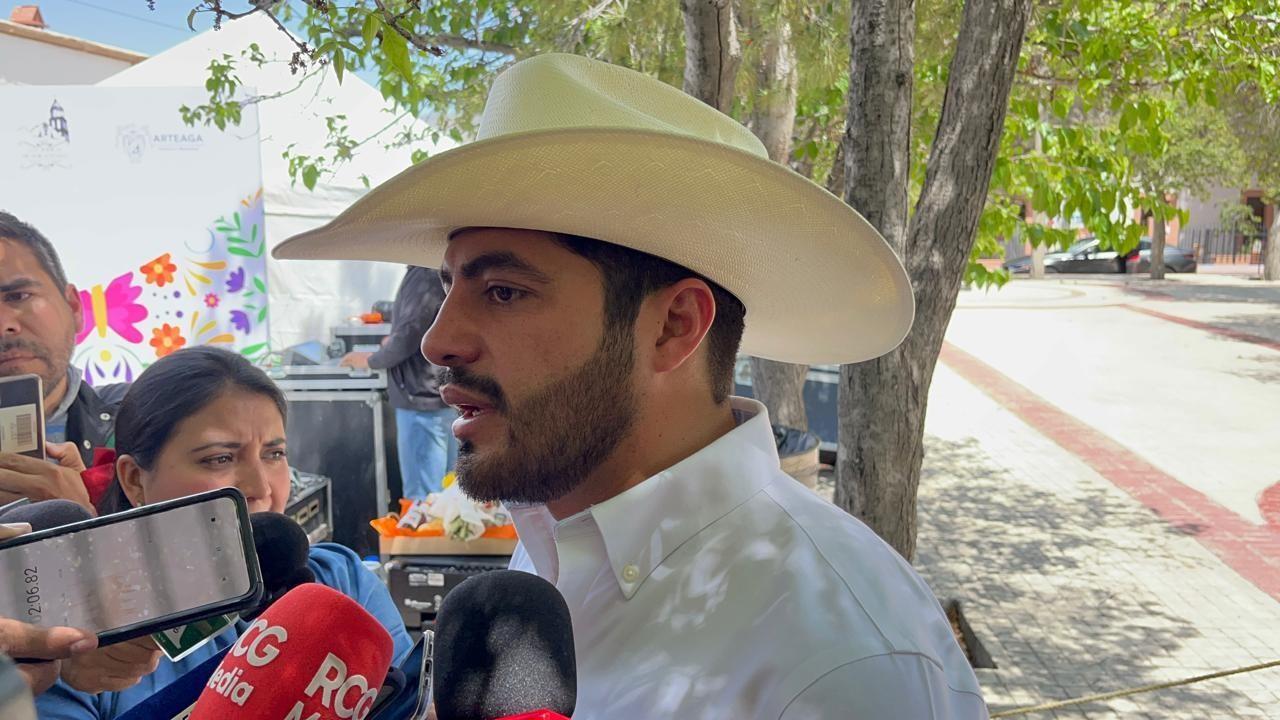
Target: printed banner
[(159, 225)]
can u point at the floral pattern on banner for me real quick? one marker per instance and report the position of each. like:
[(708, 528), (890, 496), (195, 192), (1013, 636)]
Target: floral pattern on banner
[(209, 291)]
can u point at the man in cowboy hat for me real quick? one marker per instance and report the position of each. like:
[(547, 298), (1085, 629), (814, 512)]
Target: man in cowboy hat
[(601, 244)]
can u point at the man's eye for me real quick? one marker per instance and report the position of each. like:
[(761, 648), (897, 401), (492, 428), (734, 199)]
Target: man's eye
[(16, 297), (504, 295)]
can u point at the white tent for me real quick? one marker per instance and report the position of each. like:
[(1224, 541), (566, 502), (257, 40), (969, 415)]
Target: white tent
[(306, 297)]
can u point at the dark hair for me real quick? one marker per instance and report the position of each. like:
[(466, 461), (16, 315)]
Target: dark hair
[(173, 389), (630, 276), (11, 228)]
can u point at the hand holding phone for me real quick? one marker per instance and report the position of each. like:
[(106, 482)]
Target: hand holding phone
[(22, 476), (112, 668), (20, 639)]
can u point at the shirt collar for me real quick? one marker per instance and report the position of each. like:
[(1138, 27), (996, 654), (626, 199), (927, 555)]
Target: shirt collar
[(642, 526), (73, 389)]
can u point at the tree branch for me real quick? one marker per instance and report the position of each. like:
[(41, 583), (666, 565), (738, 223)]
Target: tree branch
[(393, 21), (461, 43)]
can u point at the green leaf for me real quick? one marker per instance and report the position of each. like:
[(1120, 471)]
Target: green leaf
[(1127, 118), (257, 282), (243, 253), (310, 174), (397, 52), (191, 20), (339, 65), (237, 239), (262, 314), (370, 29)]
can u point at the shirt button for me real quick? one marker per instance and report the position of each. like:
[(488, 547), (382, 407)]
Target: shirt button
[(630, 573), (104, 417), (87, 445)]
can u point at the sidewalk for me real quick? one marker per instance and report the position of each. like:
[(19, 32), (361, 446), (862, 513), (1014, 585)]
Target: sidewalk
[(1201, 406), (1073, 586)]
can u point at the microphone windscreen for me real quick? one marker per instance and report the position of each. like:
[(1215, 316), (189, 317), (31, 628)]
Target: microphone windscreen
[(503, 646), (315, 654), (46, 514), (281, 544), (283, 549)]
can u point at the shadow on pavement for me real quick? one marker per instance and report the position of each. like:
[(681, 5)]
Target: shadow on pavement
[(1047, 579)]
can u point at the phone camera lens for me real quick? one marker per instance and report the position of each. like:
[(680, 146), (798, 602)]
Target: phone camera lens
[(213, 519)]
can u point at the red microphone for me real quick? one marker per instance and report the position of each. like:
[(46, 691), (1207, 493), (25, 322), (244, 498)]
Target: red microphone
[(313, 655)]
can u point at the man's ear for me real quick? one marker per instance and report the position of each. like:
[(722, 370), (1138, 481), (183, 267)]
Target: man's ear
[(685, 311), (130, 474), (72, 296)]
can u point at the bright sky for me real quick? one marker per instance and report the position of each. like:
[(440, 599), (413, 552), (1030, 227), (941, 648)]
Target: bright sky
[(128, 24)]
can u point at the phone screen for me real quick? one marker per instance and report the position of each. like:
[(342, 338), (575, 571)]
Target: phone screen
[(22, 415), (138, 570)]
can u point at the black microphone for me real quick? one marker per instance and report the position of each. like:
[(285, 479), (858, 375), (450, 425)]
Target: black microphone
[(503, 647), (283, 551), (46, 514)]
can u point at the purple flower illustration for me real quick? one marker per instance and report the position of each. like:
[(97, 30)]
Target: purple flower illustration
[(235, 281), (240, 321)]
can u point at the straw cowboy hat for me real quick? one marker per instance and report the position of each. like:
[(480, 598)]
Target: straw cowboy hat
[(573, 145)]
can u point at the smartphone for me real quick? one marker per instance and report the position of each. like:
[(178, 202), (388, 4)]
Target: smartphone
[(137, 572), (22, 415)]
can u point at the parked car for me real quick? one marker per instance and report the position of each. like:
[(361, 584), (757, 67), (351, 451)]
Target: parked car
[(1175, 259), (1086, 256), (1051, 260)]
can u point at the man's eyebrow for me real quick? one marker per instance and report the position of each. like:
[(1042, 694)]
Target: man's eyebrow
[(496, 260), (22, 283)]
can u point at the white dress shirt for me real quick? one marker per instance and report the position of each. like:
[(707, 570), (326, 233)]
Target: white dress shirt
[(722, 588)]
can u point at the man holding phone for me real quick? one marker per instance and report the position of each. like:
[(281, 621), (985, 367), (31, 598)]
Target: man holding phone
[(40, 314)]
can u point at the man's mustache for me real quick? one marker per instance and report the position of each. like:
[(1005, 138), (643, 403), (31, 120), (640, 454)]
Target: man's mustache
[(22, 345), (488, 388)]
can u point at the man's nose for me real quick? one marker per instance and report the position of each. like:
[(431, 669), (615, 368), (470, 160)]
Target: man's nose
[(9, 320), (451, 341)]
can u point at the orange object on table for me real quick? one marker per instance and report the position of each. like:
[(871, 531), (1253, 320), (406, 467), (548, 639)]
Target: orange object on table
[(388, 526)]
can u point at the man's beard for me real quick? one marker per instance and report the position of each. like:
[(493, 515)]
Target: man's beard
[(559, 435), (55, 367)]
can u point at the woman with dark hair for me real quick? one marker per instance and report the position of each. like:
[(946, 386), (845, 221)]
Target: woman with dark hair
[(198, 420)]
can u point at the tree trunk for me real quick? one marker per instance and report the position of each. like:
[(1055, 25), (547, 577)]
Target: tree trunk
[(1037, 261), (1271, 259), (780, 386), (1157, 246), (883, 401), (711, 51)]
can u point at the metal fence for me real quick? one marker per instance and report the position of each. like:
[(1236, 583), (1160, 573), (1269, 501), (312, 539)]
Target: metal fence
[(1224, 246)]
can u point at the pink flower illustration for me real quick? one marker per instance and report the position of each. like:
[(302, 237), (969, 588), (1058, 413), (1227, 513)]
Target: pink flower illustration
[(114, 308)]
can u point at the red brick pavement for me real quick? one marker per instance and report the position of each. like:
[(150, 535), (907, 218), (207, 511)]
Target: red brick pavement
[(1216, 330), (1251, 550)]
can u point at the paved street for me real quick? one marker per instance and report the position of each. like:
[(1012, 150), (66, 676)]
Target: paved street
[(1096, 455)]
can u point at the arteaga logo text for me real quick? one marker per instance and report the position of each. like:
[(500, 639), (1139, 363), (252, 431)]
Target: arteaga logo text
[(135, 141)]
